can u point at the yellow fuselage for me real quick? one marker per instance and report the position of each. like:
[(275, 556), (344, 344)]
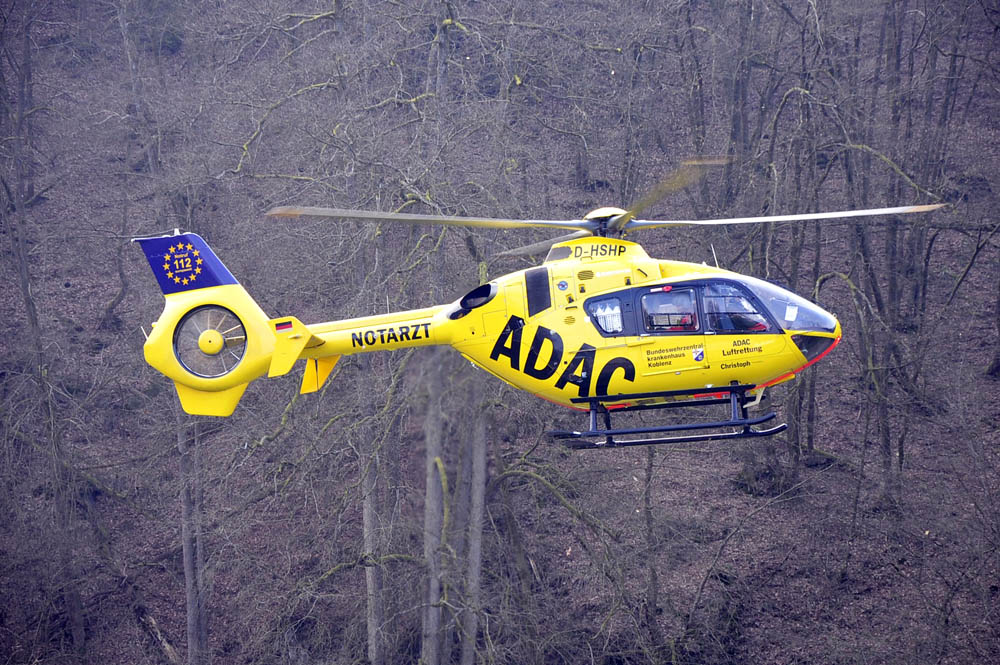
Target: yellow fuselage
[(535, 332), (599, 317)]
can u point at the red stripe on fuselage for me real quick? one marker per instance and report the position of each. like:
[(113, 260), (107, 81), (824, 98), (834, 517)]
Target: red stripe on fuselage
[(796, 371)]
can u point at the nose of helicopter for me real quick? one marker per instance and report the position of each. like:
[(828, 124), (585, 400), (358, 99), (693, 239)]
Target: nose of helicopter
[(814, 330), (816, 345)]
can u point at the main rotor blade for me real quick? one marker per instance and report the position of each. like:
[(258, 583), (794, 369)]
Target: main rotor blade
[(544, 245), (412, 218), (688, 173), (636, 224)]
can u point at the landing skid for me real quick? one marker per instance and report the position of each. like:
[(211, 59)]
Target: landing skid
[(734, 395)]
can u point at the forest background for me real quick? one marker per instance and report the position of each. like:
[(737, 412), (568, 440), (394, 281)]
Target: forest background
[(413, 510)]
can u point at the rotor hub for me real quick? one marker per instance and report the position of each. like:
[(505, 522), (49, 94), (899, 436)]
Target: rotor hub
[(603, 218), (210, 342)]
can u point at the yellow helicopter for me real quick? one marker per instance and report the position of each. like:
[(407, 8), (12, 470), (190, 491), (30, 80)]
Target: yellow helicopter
[(599, 326)]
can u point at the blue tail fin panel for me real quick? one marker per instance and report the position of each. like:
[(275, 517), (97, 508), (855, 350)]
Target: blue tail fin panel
[(184, 262)]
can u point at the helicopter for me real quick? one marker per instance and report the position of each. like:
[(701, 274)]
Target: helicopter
[(599, 326)]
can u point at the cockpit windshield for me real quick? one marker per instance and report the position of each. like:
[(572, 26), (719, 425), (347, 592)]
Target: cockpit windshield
[(792, 312)]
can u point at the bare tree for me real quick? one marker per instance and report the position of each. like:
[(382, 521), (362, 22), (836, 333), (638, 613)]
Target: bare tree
[(474, 559), (192, 544)]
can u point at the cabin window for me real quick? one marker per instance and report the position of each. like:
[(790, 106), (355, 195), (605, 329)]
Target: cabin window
[(670, 309), (727, 309), (606, 313)]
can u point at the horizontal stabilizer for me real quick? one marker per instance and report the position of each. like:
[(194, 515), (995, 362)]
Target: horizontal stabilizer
[(317, 372), (209, 403), (291, 337)]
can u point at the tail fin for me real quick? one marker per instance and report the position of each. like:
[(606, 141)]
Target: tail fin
[(212, 338), (184, 262)]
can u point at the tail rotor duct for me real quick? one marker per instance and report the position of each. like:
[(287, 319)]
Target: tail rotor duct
[(210, 341)]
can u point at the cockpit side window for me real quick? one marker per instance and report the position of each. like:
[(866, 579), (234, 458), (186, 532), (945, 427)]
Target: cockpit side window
[(791, 311), (729, 310), (667, 309), (606, 313)]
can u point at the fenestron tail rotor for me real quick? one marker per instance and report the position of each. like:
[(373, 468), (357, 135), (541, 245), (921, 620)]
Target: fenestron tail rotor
[(210, 341)]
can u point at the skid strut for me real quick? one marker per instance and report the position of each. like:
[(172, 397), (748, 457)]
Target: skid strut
[(738, 426)]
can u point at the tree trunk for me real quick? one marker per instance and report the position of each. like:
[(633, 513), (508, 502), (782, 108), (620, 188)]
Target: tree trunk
[(22, 178), (63, 479), (652, 599), (739, 120), (374, 581), (994, 367), (470, 615), (191, 543), (430, 646)]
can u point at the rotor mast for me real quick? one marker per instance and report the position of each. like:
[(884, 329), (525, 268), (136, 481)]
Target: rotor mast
[(607, 221)]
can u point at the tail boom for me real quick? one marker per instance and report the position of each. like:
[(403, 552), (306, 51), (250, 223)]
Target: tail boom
[(322, 344), (212, 338), (399, 330)]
